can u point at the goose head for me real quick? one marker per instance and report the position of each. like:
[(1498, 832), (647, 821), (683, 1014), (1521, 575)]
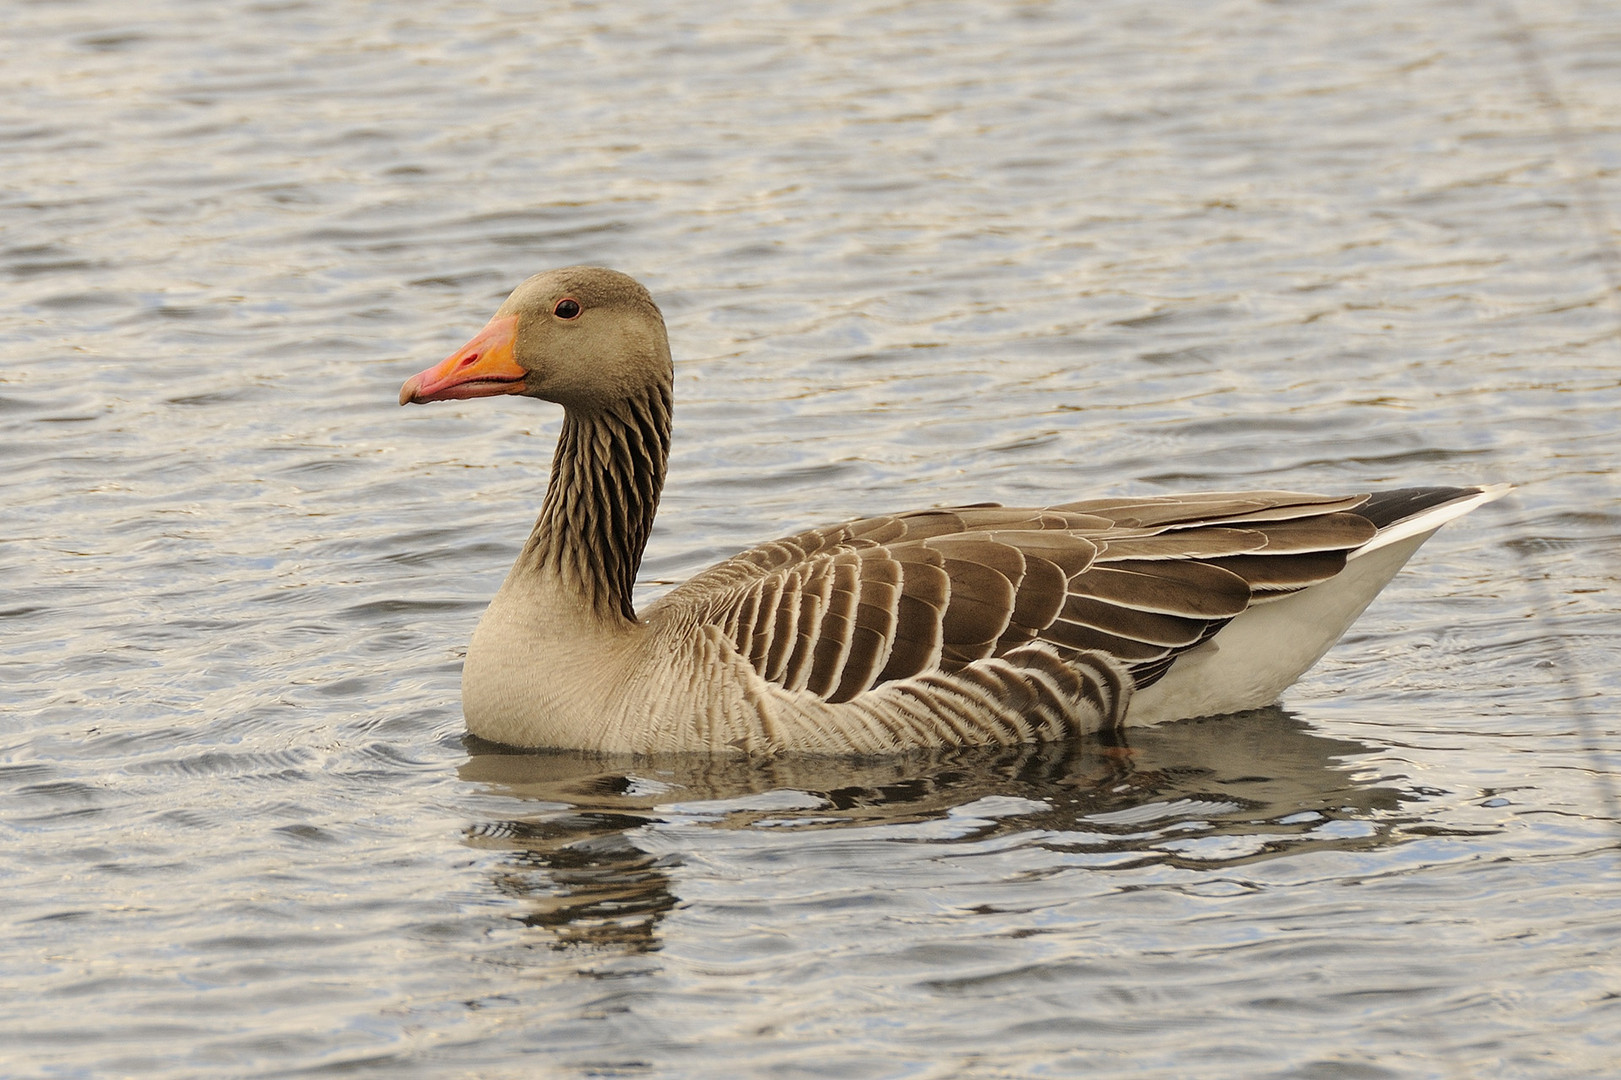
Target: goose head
[(582, 336)]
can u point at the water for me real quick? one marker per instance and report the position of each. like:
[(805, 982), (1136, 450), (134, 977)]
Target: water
[(910, 254)]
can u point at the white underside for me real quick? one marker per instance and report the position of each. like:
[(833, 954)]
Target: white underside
[(1271, 645)]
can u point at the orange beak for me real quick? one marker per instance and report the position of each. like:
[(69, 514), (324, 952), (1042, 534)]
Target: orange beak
[(484, 367)]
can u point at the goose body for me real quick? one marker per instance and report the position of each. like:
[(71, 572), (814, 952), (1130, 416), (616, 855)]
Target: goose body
[(955, 626)]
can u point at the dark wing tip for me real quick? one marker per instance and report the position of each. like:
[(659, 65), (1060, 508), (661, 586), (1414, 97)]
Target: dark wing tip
[(1386, 508)]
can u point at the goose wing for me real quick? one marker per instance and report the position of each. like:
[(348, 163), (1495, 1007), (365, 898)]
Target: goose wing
[(839, 610)]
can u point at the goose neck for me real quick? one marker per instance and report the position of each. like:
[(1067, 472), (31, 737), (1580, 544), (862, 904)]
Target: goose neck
[(607, 474)]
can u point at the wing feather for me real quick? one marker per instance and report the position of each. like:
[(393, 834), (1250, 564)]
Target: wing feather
[(1040, 595), (816, 596), (1282, 574), (790, 607), (833, 640), (1212, 509), (1183, 544), (981, 603), (768, 608), (1194, 589), (874, 628), (1079, 638), (839, 610), (1148, 627), (920, 609), (1326, 532)]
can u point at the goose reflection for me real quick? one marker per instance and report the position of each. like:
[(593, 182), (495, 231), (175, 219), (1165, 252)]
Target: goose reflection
[(1207, 794), (581, 876)]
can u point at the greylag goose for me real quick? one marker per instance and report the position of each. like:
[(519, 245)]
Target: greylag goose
[(953, 626)]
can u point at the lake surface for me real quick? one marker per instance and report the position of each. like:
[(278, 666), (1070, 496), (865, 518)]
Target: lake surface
[(910, 254)]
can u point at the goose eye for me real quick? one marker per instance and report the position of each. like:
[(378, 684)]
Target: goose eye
[(567, 309)]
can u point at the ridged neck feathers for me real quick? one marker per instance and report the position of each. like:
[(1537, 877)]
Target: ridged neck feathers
[(607, 473)]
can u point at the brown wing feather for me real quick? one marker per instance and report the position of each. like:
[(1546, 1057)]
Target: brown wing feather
[(839, 610), (832, 644), (816, 591), (985, 578), (874, 623), (1147, 627), (1325, 532), (1207, 543), (1040, 596), (925, 591), (790, 609), (1270, 576), (1211, 509)]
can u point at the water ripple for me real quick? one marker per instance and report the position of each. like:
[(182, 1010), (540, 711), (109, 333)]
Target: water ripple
[(910, 255)]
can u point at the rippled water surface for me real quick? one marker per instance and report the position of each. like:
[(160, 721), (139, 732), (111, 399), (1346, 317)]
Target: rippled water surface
[(910, 254)]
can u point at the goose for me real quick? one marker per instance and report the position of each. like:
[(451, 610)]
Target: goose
[(942, 627)]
